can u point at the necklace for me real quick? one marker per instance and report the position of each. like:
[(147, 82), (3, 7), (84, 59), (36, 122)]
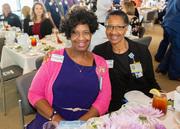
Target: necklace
[(80, 70)]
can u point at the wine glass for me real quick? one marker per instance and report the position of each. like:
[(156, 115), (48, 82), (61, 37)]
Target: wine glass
[(55, 31)]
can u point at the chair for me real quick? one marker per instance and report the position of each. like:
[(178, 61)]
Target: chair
[(150, 20), (141, 19), (2, 39), (8, 74), (145, 40), (23, 84), (39, 62), (141, 31)]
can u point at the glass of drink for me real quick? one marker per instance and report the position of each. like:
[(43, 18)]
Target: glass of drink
[(58, 40), (54, 38), (55, 31), (33, 41), (6, 25), (160, 102), (50, 125)]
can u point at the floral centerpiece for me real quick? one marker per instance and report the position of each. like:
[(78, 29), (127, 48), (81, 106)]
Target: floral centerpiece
[(134, 117)]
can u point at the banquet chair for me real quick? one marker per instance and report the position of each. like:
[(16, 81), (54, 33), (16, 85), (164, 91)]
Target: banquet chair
[(2, 39), (23, 84), (141, 19), (150, 20), (145, 40), (141, 31), (39, 62), (8, 74)]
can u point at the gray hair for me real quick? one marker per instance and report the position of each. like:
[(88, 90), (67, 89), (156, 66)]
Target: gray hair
[(120, 13)]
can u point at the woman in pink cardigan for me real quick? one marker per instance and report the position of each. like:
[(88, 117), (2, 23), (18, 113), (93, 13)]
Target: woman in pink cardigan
[(74, 84)]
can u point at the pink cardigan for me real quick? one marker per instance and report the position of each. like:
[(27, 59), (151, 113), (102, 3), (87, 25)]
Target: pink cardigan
[(43, 81)]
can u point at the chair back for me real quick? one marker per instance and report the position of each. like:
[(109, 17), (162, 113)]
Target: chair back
[(39, 62), (23, 84), (150, 15), (141, 31), (141, 19), (2, 39), (145, 40)]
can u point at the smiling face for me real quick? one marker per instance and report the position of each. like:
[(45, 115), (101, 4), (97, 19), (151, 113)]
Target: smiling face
[(38, 10), (6, 10), (81, 37), (116, 35)]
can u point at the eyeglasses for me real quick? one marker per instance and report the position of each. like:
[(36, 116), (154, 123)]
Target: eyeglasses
[(76, 34), (118, 28)]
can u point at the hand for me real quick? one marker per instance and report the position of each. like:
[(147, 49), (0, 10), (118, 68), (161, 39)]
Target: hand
[(47, 56)]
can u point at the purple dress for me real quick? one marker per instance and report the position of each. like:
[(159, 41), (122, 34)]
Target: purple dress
[(71, 89)]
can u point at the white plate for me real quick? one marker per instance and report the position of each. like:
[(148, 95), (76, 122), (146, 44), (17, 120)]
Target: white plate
[(32, 53), (138, 97)]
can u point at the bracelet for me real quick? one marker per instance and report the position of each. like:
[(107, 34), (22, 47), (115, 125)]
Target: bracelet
[(53, 113)]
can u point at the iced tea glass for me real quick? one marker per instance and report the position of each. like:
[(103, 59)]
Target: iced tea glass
[(33, 42), (6, 25), (160, 102)]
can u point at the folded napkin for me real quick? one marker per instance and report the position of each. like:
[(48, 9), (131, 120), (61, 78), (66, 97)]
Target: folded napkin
[(24, 41)]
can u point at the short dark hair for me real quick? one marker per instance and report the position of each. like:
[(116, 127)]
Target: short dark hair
[(78, 16), (118, 13)]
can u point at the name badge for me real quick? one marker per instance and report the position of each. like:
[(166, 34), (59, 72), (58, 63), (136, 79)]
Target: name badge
[(12, 17), (57, 58), (50, 3), (60, 3), (138, 74), (136, 67), (57, 9), (2, 17), (110, 63), (31, 23)]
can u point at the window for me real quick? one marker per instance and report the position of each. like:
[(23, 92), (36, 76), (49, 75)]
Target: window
[(16, 5)]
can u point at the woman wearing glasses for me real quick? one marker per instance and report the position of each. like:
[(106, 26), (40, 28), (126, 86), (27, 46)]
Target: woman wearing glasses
[(130, 64)]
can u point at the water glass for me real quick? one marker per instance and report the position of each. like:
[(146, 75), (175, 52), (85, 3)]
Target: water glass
[(160, 102), (50, 125), (53, 38), (55, 31)]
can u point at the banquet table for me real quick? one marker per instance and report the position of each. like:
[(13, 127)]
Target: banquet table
[(26, 62), (169, 121)]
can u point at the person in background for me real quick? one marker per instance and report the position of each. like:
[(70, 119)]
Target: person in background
[(26, 13), (121, 54), (72, 2), (136, 11), (138, 2), (129, 9), (171, 25), (74, 84), (39, 24), (10, 17), (103, 7), (65, 6), (55, 11)]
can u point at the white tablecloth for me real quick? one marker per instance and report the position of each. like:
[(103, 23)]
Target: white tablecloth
[(169, 121), (26, 62)]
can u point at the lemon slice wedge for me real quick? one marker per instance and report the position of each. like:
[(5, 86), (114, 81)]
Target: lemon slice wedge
[(155, 92)]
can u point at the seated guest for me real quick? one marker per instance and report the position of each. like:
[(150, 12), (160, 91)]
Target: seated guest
[(26, 11), (10, 17), (122, 54), (129, 9), (136, 11), (39, 24), (74, 84)]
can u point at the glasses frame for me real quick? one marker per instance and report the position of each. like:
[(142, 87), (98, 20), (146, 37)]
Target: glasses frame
[(118, 28)]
